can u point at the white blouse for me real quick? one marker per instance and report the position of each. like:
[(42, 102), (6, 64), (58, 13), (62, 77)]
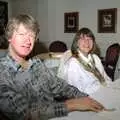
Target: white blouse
[(75, 74)]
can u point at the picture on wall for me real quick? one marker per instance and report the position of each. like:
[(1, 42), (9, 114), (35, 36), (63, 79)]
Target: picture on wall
[(71, 22), (3, 23), (107, 20), (3, 14)]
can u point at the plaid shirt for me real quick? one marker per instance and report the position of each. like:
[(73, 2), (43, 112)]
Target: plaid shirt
[(32, 91)]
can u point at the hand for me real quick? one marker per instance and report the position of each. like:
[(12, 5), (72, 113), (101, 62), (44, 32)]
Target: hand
[(84, 103)]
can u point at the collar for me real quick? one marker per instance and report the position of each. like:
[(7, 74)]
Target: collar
[(86, 59), (15, 64)]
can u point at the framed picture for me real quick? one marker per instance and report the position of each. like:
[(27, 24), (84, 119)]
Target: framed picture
[(3, 15), (71, 22), (3, 23), (107, 20)]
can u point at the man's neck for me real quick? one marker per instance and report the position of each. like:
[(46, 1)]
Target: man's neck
[(20, 60)]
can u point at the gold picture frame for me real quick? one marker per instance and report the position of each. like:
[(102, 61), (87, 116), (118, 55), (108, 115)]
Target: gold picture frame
[(3, 23), (107, 20), (71, 22)]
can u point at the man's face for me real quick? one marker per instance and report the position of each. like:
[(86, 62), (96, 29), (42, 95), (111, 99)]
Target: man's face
[(22, 41), (85, 44)]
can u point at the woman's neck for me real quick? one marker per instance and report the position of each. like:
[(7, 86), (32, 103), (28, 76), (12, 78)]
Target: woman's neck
[(83, 53)]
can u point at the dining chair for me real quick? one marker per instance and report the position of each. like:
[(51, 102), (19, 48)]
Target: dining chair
[(39, 48), (111, 58), (57, 46)]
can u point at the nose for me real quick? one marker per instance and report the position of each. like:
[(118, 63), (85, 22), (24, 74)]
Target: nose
[(27, 39), (87, 41), (26, 36)]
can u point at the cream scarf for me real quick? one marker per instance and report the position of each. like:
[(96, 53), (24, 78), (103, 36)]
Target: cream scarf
[(91, 68)]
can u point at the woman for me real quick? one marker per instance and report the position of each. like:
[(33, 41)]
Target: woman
[(83, 69)]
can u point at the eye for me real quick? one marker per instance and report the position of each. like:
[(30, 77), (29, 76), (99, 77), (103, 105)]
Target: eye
[(21, 34), (32, 35)]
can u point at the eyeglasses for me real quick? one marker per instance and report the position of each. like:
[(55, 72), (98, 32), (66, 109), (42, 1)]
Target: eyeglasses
[(24, 35)]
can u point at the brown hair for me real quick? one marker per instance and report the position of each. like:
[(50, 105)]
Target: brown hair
[(83, 31)]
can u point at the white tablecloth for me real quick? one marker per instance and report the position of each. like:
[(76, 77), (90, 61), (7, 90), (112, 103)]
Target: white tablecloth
[(109, 97)]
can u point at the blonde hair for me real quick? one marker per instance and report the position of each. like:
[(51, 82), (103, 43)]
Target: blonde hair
[(27, 20)]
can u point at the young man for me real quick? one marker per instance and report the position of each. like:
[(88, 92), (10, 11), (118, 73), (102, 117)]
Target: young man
[(27, 88)]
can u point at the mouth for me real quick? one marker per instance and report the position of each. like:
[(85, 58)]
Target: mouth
[(26, 47), (87, 47)]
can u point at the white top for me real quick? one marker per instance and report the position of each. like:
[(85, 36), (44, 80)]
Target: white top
[(75, 74)]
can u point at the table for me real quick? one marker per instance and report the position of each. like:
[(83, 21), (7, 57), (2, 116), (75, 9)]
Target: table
[(109, 97)]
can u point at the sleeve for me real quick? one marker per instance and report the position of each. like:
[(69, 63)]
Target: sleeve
[(61, 91), (100, 67), (18, 106), (12, 103), (60, 88)]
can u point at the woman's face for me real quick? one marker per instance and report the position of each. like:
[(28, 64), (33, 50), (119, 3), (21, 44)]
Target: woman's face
[(85, 44)]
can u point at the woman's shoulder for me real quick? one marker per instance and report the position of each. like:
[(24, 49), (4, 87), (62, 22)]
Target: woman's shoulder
[(73, 61), (95, 56), (96, 59)]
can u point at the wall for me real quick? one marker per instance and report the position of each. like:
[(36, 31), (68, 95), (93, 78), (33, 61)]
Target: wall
[(3, 51), (24, 6), (50, 14), (87, 18), (42, 17)]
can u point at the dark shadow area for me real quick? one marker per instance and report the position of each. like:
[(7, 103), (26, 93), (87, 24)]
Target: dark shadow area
[(111, 58), (39, 48)]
